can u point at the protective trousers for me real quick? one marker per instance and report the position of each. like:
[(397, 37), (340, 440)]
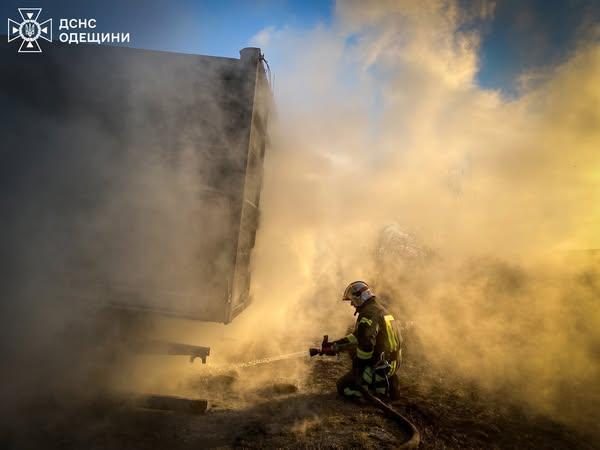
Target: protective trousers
[(348, 384)]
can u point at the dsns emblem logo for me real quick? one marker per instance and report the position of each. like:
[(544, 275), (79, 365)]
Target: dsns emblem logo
[(30, 30)]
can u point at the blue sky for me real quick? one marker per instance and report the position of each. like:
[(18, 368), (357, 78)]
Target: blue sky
[(526, 35), (523, 35), (209, 27)]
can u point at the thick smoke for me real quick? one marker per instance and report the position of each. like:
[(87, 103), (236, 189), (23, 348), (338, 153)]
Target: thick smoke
[(110, 197), (382, 124), (384, 142)]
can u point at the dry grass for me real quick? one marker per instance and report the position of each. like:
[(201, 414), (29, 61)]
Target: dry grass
[(448, 412)]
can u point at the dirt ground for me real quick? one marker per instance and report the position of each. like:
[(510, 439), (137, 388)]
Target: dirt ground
[(291, 412)]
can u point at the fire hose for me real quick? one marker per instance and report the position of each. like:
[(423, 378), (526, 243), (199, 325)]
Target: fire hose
[(329, 349), (407, 427)]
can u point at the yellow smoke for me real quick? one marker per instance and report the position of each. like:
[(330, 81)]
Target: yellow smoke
[(381, 120)]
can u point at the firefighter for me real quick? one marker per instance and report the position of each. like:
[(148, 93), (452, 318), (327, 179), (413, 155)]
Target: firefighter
[(375, 345)]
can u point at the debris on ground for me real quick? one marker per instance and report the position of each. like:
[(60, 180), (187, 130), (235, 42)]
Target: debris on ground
[(298, 413)]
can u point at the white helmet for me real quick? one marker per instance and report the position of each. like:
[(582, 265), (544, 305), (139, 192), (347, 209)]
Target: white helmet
[(357, 293)]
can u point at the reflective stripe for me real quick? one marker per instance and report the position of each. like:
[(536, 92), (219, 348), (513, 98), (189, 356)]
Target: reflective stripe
[(361, 354), (352, 393), (365, 320), (352, 339), (368, 375), (394, 345)]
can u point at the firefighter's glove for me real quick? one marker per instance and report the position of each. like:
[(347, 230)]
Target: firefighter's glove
[(330, 349)]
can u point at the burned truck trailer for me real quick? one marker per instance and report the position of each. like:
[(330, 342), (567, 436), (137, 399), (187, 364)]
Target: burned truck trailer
[(131, 178)]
